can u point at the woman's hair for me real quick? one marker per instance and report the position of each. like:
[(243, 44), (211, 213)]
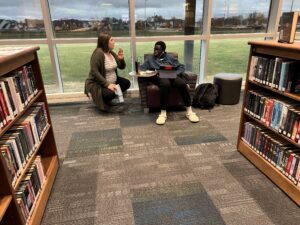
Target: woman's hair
[(162, 44), (103, 39)]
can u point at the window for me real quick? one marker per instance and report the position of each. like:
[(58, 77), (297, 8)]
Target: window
[(21, 19), (88, 18), (153, 19), (239, 16), (46, 69), (74, 63), (228, 56), (162, 18), (289, 5)]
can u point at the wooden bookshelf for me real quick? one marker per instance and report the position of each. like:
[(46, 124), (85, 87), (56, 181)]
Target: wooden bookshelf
[(4, 203), (12, 59), (270, 49)]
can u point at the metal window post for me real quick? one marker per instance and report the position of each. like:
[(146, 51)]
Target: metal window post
[(133, 39), (52, 46), (274, 17), (207, 12)]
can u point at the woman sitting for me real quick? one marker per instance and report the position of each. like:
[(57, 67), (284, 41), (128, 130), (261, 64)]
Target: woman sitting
[(103, 78)]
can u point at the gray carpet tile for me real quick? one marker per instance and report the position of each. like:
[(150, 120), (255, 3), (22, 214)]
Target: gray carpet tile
[(120, 168), (189, 209), (73, 195), (95, 142), (133, 120), (197, 139), (264, 192), (186, 133), (74, 220), (183, 204)]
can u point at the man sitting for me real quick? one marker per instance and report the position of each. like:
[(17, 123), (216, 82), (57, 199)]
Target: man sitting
[(161, 58)]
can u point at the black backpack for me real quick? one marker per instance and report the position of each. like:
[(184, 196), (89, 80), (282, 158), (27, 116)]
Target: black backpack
[(205, 96)]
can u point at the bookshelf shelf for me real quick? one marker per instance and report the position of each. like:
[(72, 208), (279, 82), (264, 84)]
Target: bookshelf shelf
[(249, 130), (293, 96), (37, 173)]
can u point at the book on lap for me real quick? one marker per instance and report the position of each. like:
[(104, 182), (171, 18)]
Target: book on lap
[(167, 71), (167, 74)]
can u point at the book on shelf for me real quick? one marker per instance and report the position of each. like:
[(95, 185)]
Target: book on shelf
[(288, 25), (4, 106), (14, 93), (10, 163)]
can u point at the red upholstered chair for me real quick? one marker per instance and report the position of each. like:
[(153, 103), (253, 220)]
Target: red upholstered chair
[(149, 92)]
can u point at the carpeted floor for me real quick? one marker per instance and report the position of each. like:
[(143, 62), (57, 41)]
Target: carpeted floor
[(123, 169)]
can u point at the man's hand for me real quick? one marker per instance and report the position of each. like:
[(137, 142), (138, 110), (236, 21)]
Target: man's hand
[(112, 87), (120, 54)]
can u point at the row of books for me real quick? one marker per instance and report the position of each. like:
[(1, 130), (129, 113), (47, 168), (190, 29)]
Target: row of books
[(280, 114), (21, 141), (29, 189), (279, 152), (16, 90), (281, 74)]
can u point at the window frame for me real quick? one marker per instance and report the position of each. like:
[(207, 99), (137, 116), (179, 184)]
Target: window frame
[(204, 38)]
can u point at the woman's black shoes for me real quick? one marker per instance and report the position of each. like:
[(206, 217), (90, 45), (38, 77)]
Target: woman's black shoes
[(112, 103)]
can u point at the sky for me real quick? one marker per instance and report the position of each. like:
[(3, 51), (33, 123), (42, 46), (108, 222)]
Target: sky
[(97, 9)]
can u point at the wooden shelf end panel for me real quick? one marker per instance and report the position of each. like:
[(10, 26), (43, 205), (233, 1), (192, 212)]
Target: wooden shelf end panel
[(4, 203), (51, 163), (270, 171)]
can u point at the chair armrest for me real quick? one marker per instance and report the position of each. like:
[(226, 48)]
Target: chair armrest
[(191, 74), (190, 78)]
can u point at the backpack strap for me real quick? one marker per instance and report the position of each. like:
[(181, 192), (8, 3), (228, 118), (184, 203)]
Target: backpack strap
[(199, 93), (203, 91)]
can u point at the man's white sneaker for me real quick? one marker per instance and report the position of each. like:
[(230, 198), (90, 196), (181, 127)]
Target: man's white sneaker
[(161, 120), (192, 117)]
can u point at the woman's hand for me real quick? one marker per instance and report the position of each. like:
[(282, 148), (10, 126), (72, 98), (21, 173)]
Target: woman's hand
[(120, 54), (112, 87)]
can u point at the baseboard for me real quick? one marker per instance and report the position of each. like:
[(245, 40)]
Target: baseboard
[(79, 97)]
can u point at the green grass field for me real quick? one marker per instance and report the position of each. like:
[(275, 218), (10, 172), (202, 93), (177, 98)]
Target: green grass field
[(230, 56)]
